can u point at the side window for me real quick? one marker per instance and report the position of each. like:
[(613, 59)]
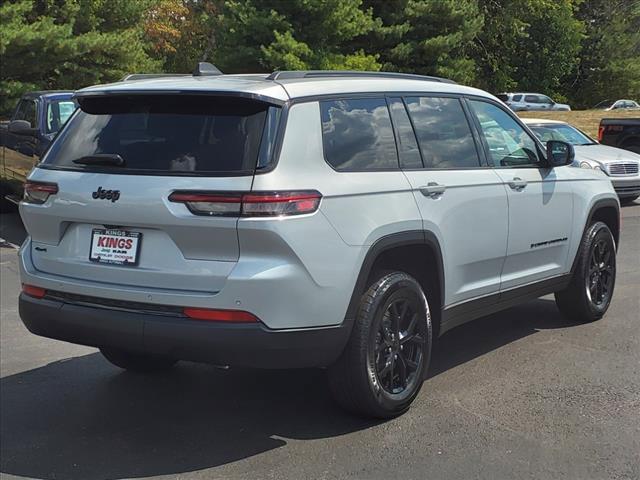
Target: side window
[(508, 143), (405, 136), (30, 113), (357, 134), (20, 110), (531, 98), (545, 99), (443, 132), (517, 98)]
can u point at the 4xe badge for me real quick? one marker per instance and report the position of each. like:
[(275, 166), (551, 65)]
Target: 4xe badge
[(101, 194)]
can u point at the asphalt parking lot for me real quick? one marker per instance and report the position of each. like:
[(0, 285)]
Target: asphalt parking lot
[(520, 394)]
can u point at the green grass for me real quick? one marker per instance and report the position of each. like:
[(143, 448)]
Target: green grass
[(585, 120)]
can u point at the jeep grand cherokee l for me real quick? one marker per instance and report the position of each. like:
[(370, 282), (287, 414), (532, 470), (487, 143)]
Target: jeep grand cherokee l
[(304, 219)]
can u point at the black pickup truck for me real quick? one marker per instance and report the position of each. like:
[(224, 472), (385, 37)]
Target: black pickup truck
[(33, 125), (620, 132)]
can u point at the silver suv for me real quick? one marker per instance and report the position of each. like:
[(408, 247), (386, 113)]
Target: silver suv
[(519, 102), (304, 219)]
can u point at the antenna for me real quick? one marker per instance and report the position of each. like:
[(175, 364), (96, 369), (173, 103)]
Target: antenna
[(204, 69)]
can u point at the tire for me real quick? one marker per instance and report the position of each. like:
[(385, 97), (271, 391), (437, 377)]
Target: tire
[(381, 370), (589, 294), (628, 200), (137, 362)]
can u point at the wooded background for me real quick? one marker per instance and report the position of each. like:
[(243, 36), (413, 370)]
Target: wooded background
[(580, 51)]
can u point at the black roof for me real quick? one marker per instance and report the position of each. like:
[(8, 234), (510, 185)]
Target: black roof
[(44, 93)]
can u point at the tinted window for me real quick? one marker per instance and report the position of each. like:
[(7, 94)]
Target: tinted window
[(26, 111), (508, 143), (443, 132), (517, 98), (406, 138), (357, 134), (181, 134), (503, 96), (531, 99)]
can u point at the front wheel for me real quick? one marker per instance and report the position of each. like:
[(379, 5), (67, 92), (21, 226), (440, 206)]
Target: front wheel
[(589, 294), (137, 362), (383, 365)]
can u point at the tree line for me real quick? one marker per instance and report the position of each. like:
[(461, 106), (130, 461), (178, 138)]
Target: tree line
[(581, 51)]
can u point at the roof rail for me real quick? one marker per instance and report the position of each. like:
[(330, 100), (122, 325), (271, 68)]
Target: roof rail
[(293, 74), (144, 76)]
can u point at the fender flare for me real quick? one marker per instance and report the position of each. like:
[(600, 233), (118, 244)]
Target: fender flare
[(394, 240), (597, 205)]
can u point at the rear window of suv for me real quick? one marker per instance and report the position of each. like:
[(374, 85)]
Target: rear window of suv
[(168, 134)]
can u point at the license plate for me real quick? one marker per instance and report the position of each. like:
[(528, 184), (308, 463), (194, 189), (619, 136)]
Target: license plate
[(116, 247)]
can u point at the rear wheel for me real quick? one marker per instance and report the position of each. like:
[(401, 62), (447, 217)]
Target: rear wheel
[(137, 362), (383, 365), (589, 294)]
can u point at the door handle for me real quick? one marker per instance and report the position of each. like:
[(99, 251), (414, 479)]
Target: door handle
[(518, 184), (432, 189)]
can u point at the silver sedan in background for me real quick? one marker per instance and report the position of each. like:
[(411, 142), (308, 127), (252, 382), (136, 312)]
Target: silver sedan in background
[(622, 166)]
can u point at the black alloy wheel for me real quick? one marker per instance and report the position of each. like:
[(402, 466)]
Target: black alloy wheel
[(398, 346)]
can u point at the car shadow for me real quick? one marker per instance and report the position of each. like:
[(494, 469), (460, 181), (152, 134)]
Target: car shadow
[(81, 418)]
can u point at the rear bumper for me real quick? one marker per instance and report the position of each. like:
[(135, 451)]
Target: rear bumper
[(626, 186), (242, 345)]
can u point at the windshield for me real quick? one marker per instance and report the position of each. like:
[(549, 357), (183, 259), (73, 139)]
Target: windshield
[(563, 132), (167, 134)]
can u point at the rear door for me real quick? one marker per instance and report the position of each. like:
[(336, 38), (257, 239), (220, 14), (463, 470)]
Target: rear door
[(462, 202), (540, 199), (116, 164)]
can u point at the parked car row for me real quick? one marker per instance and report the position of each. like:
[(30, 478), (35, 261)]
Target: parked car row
[(522, 102)]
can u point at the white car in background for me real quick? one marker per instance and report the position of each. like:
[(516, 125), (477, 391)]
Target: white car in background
[(621, 165), (618, 105)]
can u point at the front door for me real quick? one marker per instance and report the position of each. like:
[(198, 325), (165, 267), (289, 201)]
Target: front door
[(540, 202)]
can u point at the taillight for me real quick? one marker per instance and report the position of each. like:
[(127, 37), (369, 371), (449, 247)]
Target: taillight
[(33, 291), (256, 204), (38, 192), (232, 316), (225, 205), (600, 133), (283, 203)]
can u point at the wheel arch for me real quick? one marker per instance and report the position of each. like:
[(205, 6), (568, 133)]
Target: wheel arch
[(606, 210), (409, 244)]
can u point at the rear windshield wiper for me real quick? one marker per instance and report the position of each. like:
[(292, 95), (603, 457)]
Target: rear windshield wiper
[(101, 159)]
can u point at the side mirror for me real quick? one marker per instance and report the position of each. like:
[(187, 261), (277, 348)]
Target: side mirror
[(22, 127), (559, 153)]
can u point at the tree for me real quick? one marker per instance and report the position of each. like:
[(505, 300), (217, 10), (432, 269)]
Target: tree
[(431, 37), (528, 45), (258, 35), (609, 66), (68, 44)]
